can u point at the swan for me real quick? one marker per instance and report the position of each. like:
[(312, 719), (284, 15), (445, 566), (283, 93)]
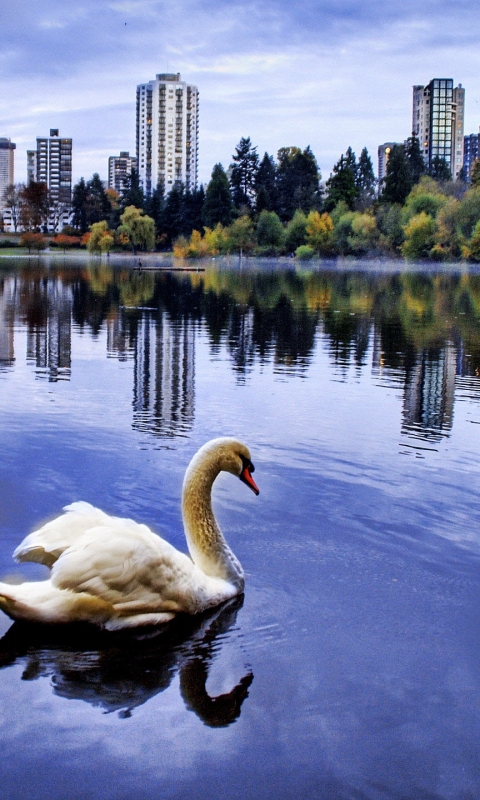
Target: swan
[(117, 573)]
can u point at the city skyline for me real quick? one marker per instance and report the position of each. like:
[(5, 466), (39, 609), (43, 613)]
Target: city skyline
[(327, 77)]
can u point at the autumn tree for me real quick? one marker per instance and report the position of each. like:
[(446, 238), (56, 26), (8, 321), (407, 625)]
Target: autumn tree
[(101, 238), (35, 206), (139, 229)]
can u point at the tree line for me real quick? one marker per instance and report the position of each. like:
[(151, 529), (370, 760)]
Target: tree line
[(271, 206)]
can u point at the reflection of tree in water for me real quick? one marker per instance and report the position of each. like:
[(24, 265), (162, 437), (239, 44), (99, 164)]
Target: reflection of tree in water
[(119, 672)]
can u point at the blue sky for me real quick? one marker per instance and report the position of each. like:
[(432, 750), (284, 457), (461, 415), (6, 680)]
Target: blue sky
[(325, 74)]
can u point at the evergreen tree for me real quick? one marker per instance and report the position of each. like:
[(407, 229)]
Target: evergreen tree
[(155, 205), (365, 181), (132, 192), (97, 205), (298, 181), (398, 181), (243, 173), (79, 206), (173, 215), (439, 170), (218, 205), (193, 214), (415, 158), (475, 176), (266, 185), (342, 184)]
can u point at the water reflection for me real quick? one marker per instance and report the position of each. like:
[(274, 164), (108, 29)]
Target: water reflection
[(418, 332), (119, 672)]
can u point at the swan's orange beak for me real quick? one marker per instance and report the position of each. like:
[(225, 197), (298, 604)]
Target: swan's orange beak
[(246, 477)]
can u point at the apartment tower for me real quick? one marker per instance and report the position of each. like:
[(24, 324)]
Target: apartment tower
[(119, 168), (167, 133), (51, 163), (437, 121), (6, 166)]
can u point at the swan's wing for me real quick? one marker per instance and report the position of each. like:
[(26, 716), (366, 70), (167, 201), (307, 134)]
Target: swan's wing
[(47, 543), (131, 568)]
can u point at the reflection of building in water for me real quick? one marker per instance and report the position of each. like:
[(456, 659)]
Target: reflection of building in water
[(7, 313), (164, 375), (120, 341), (429, 393), (49, 339)]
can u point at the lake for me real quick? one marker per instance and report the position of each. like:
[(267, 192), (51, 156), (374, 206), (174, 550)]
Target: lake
[(350, 669)]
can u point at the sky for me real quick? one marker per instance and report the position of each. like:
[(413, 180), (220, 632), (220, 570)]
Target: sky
[(329, 74)]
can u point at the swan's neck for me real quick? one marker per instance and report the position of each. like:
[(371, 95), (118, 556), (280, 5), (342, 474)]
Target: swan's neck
[(206, 543)]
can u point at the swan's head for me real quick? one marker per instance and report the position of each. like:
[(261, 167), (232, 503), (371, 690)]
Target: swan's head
[(230, 455)]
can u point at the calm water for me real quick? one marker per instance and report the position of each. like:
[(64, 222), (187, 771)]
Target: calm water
[(352, 668)]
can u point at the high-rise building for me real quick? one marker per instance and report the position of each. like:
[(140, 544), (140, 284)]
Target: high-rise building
[(51, 163), (6, 166), (119, 167), (437, 121), (471, 152), (384, 151), (167, 133)]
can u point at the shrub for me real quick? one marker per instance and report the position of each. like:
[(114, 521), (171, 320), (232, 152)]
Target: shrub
[(305, 252)]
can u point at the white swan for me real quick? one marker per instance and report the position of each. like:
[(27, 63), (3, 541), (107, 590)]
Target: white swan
[(117, 573)]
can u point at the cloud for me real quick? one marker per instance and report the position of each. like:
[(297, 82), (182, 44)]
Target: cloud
[(328, 75)]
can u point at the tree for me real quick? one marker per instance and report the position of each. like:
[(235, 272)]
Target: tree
[(419, 236), (132, 192), (439, 170), (139, 228), (243, 173), (218, 205), (475, 176), (33, 241), (319, 232), (12, 199), (101, 239), (342, 184), (240, 234), (398, 181), (266, 185), (79, 206), (298, 181), (295, 231), (270, 232), (90, 203), (414, 157), (35, 206), (365, 180)]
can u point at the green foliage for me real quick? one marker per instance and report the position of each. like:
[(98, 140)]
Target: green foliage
[(389, 223), (243, 173), (425, 196), (304, 252), (414, 157), (218, 205), (132, 192), (90, 203), (440, 170), (298, 182), (241, 234), (138, 228), (365, 234), (419, 236), (266, 185), (473, 251), (365, 181), (398, 180), (295, 232), (475, 176), (270, 232), (342, 185)]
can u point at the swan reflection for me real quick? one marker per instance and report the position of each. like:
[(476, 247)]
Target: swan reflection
[(120, 671)]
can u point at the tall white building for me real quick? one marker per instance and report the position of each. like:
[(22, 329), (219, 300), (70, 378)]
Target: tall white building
[(167, 133), (6, 165), (384, 151), (438, 120)]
